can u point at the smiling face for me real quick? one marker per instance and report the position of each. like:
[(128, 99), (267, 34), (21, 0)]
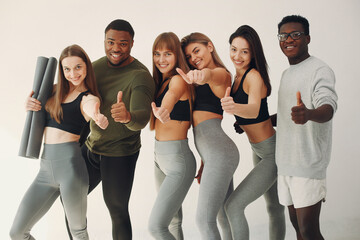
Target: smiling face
[(199, 55), (74, 69), (295, 50), (118, 46), (164, 60), (240, 54)]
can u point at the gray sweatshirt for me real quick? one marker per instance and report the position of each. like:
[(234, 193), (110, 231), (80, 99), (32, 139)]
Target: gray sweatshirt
[(304, 150)]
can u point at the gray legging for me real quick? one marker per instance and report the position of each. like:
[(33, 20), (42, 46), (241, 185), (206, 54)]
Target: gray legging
[(221, 157), (62, 172), (258, 182), (175, 168)]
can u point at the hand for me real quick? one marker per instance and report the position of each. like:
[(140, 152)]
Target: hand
[(227, 102), (160, 113), (118, 110), (100, 119), (32, 104), (193, 76), (299, 114), (198, 176)]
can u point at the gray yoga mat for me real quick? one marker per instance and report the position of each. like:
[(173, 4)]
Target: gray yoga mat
[(31, 139)]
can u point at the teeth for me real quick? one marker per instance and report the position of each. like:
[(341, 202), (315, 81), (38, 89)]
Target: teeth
[(289, 47), (115, 55), (197, 62)]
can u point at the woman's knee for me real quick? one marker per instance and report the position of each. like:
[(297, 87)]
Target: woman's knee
[(157, 229), (275, 209), (16, 234)]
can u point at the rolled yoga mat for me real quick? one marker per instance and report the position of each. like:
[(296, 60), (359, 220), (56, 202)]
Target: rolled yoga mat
[(31, 139)]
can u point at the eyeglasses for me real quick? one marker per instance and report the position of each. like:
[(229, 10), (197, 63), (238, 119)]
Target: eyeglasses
[(294, 35)]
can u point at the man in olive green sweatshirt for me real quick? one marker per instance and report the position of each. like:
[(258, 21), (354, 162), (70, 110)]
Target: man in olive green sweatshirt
[(127, 90)]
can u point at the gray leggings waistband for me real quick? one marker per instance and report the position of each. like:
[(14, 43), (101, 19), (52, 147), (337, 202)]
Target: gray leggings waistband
[(172, 147), (60, 150)]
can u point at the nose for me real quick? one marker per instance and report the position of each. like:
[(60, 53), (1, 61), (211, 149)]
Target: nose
[(193, 57), (162, 58), (237, 55), (72, 73), (116, 48)]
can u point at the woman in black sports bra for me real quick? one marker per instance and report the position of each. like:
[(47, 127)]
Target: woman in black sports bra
[(247, 100), (63, 172), (218, 152), (175, 163)]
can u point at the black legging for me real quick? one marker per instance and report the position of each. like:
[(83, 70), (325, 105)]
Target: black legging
[(117, 175)]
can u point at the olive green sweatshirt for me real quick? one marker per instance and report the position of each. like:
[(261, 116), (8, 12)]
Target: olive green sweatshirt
[(138, 87)]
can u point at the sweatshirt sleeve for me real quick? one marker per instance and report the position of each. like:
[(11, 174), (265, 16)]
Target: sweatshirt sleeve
[(324, 88), (142, 94)]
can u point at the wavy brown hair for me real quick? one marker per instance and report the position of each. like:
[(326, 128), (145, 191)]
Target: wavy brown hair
[(62, 88), (171, 42), (201, 38)]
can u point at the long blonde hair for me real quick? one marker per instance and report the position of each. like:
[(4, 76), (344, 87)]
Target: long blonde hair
[(53, 105), (168, 41), (201, 38)]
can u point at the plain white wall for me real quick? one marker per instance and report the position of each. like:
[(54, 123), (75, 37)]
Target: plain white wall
[(43, 28)]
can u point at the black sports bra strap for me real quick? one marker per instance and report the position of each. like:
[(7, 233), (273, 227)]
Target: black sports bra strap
[(244, 76)]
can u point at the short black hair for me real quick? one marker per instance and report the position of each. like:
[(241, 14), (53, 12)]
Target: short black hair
[(121, 25), (297, 19)]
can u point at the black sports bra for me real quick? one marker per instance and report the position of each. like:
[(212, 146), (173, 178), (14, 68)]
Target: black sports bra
[(181, 110), (205, 100), (73, 120), (240, 96)]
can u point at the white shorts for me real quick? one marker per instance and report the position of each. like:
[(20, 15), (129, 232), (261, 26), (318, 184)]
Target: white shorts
[(300, 192)]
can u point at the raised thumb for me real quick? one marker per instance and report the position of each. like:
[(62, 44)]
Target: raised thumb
[(119, 96), (227, 92), (298, 98)]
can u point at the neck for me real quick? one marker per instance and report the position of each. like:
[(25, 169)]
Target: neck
[(79, 88), (241, 72), (294, 61), (123, 63)]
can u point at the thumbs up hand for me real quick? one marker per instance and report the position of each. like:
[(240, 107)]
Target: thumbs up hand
[(193, 76), (160, 113), (227, 102), (100, 119), (299, 113), (118, 110)]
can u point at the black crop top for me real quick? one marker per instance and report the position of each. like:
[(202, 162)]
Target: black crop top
[(240, 96), (181, 110), (206, 100), (73, 120)]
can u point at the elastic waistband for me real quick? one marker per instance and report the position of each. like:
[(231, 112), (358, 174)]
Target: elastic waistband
[(208, 125), (60, 150), (167, 147)]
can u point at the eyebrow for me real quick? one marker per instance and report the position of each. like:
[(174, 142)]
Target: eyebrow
[(109, 38), (239, 48), (194, 49)]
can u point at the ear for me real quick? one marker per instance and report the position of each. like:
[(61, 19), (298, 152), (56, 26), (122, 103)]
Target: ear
[(210, 46), (308, 39), (132, 43)]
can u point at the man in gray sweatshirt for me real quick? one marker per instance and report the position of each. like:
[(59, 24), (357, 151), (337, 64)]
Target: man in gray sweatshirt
[(307, 102)]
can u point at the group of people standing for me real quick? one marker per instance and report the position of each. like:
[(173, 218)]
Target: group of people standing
[(190, 86)]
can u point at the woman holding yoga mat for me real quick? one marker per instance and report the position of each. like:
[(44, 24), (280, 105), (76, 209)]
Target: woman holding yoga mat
[(75, 100)]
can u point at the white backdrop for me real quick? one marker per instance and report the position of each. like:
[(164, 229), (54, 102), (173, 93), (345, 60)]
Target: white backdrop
[(43, 28)]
